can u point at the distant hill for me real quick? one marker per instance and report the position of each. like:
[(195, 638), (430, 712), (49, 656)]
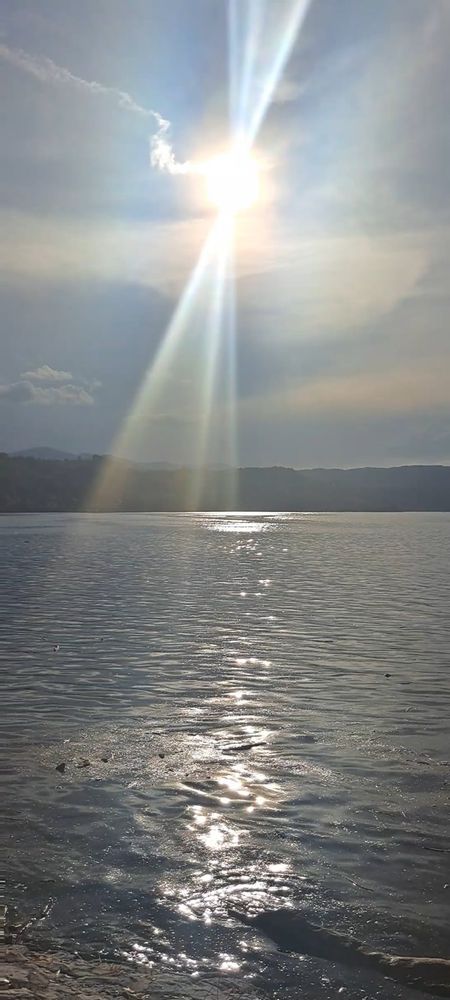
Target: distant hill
[(54, 455), (45, 454), (49, 484)]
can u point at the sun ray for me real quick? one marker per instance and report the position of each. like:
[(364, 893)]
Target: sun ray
[(266, 48), (230, 442), (111, 480), (210, 383), (244, 40), (257, 59)]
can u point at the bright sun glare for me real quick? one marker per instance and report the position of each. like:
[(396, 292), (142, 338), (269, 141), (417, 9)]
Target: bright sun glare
[(232, 182)]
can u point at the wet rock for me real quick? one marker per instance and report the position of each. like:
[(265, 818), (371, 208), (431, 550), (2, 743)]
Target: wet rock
[(243, 746), (57, 976), (61, 767)]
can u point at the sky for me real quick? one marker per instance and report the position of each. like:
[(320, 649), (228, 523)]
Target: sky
[(316, 333)]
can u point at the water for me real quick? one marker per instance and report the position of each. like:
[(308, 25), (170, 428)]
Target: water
[(232, 670)]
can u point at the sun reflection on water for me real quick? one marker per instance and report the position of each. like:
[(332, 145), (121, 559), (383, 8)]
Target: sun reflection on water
[(230, 786)]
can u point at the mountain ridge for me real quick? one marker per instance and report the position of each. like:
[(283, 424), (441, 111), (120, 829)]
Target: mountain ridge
[(30, 484)]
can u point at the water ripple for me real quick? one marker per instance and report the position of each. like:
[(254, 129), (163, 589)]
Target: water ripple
[(252, 710)]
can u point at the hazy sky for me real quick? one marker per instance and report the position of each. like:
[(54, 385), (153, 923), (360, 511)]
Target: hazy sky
[(341, 271)]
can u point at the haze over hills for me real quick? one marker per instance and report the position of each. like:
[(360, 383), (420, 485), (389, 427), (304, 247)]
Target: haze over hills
[(46, 454), (55, 455), (49, 484)]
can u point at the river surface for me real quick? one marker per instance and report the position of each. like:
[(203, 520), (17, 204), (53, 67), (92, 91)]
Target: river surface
[(253, 713)]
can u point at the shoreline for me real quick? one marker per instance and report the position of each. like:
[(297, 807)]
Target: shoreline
[(30, 973), (26, 973)]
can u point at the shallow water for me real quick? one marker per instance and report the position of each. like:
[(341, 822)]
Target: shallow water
[(272, 695)]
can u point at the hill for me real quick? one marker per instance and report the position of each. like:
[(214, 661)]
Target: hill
[(45, 454), (30, 484)]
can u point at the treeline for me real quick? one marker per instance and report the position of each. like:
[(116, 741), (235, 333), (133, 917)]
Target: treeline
[(98, 483)]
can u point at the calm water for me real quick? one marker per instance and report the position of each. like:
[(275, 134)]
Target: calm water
[(233, 671)]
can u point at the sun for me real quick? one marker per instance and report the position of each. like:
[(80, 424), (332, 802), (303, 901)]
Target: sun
[(232, 182)]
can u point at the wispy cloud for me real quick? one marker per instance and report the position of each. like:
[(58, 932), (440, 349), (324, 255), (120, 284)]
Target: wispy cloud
[(45, 70), (405, 389), (162, 156), (52, 249), (46, 374), (288, 91)]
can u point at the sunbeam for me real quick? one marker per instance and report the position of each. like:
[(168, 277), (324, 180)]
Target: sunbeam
[(111, 480), (213, 341), (245, 24), (264, 36), (230, 447), (204, 320)]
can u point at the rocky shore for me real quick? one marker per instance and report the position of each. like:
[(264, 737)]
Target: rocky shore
[(56, 976), (26, 973)]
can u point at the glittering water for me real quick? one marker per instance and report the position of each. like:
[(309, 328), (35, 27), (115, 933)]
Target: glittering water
[(253, 711)]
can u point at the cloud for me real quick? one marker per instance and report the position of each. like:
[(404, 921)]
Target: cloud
[(319, 282), (328, 283), (60, 249), (74, 395), (405, 389), (45, 70), (17, 392), (46, 374), (25, 391), (288, 91), (162, 155)]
